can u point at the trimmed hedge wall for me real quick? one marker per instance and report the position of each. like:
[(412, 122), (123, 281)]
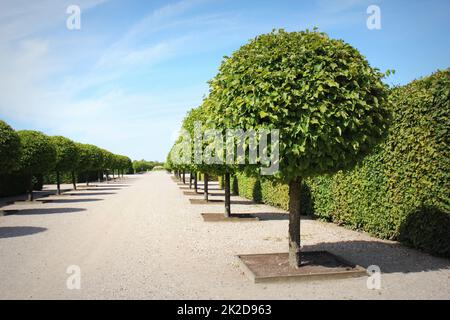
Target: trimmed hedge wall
[(263, 190), (402, 190)]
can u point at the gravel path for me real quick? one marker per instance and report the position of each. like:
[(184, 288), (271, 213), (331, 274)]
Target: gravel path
[(140, 238)]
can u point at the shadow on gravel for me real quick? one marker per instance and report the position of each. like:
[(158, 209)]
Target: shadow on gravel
[(271, 216), (241, 202), (91, 193), (215, 194), (12, 232), (390, 257), (101, 189), (38, 211), (69, 200)]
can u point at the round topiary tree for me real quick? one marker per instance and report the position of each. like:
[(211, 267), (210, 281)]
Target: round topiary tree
[(86, 161), (107, 162), (9, 148), (329, 105), (38, 156), (66, 157), (127, 165)]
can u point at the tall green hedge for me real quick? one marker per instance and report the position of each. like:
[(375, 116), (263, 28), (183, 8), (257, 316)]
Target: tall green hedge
[(268, 191), (402, 190), (14, 184)]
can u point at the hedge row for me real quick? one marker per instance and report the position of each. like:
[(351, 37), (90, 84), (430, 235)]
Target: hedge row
[(15, 184), (402, 190)]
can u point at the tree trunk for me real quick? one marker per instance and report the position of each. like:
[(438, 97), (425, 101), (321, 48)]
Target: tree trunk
[(74, 181), (58, 183), (184, 177), (227, 195), (205, 186), (30, 188), (294, 222), (87, 178), (195, 182), (98, 177)]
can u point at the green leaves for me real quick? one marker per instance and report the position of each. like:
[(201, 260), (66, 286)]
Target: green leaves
[(38, 154), (263, 114), (323, 86), (66, 154), (9, 148)]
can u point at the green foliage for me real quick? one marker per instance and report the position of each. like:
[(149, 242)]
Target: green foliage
[(66, 154), (330, 106), (28, 154), (271, 192), (38, 155), (86, 157), (428, 229), (9, 148), (13, 184), (124, 163), (144, 165)]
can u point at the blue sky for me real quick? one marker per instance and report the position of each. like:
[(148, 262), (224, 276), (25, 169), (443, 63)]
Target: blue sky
[(125, 80)]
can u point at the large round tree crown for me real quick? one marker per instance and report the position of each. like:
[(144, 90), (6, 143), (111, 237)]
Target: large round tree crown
[(38, 155), (329, 104)]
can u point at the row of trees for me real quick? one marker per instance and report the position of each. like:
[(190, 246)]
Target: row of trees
[(144, 165), (330, 107), (33, 153)]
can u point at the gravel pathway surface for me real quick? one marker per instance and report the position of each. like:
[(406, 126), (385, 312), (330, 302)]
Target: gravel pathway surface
[(140, 238)]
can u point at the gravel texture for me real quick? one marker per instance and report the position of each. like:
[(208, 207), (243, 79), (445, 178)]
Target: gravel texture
[(140, 238)]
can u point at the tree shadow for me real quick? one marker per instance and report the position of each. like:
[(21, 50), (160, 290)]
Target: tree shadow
[(19, 231), (68, 200), (103, 189), (209, 189), (390, 257), (39, 211), (271, 216), (91, 193), (242, 202)]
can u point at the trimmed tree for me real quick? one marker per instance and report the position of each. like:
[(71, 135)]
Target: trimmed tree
[(9, 148), (85, 161), (38, 156), (66, 157), (199, 115), (105, 162), (329, 104)]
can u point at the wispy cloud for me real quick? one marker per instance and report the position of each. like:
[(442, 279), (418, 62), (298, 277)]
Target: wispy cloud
[(45, 90), (23, 18)]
